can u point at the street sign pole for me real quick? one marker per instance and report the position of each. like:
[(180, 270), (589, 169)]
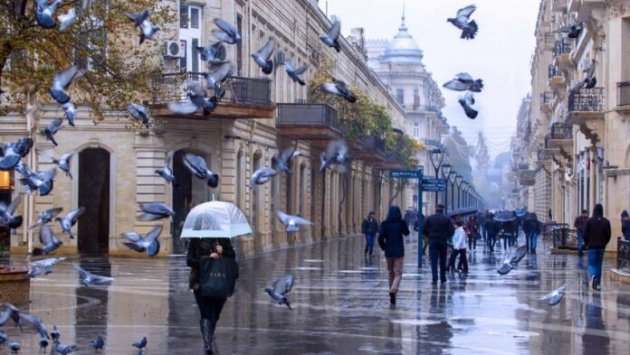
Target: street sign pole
[(420, 222)]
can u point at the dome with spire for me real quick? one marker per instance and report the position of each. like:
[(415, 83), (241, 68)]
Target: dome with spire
[(403, 49)]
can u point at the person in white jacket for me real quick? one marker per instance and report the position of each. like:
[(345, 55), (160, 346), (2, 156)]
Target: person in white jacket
[(460, 242)]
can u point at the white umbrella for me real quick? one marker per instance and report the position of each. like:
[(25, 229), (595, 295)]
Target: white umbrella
[(215, 219)]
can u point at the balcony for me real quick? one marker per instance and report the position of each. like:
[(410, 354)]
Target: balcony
[(432, 143), (587, 104), (562, 54), (543, 155), (559, 5), (549, 41), (623, 96), (369, 148), (561, 136), (313, 122), (244, 97), (556, 79), (546, 101), (584, 8)]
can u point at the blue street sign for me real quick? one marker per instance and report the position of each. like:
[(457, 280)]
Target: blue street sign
[(405, 174), (433, 185)]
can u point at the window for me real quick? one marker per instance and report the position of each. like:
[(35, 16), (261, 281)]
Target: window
[(194, 17), (416, 130), (400, 96), (183, 16), (416, 99), (189, 36)]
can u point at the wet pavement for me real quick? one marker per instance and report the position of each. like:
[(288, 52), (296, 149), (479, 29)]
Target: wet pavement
[(340, 306)]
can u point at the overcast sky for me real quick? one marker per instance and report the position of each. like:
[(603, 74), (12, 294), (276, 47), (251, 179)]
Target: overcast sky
[(500, 54)]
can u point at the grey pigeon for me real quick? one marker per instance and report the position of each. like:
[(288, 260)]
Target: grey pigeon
[(52, 128), (294, 73), (70, 110), (198, 98), (292, 222), (63, 162), (45, 13), (263, 56), (573, 30), (167, 173), (14, 346), (198, 167), (48, 239), (54, 334), (261, 176), (339, 88), (10, 312), (64, 349), (70, 220), (154, 211), (556, 295), (212, 53), (138, 17), (518, 254), (46, 216), (336, 153), (43, 266), (11, 153), (148, 243), (61, 81), (40, 181), (512, 259), (466, 102), (3, 337), (7, 214), (330, 38), (139, 113), (43, 343), (216, 77), (279, 289), (464, 82), (589, 75), (140, 344), (67, 19), (147, 29), (88, 279), (283, 161), (35, 322), (461, 21), (226, 32), (98, 343)]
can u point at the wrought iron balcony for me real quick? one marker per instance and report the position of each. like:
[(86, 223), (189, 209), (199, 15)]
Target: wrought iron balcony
[(562, 54), (562, 46), (309, 122), (623, 94), (561, 136), (369, 148), (549, 40), (587, 101), (244, 97)]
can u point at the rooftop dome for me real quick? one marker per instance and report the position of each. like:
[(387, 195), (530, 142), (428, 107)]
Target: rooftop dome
[(403, 48)]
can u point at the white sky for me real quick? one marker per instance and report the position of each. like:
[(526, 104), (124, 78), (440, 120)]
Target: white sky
[(500, 54)]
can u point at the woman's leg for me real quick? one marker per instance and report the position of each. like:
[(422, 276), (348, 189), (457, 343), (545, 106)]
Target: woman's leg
[(397, 271), (390, 269), (205, 323)]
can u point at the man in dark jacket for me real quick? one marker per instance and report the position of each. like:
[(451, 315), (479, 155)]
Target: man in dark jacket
[(531, 228), (369, 228), (439, 229), (579, 224), (597, 234)]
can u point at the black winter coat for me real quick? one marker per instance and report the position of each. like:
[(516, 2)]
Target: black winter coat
[(597, 232), (438, 228), (390, 238), (199, 249), (369, 226)]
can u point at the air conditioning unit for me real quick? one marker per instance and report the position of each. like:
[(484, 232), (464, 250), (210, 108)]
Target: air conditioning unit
[(172, 49)]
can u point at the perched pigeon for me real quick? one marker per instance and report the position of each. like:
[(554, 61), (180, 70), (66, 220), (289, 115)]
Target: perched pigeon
[(43, 266), (7, 214), (141, 19), (330, 38), (197, 165), (14, 346), (88, 278), (140, 344), (294, 73), (226, 33), (218, 76), (98, 343), (138, 17), (198, 98), (464, 82), (40, 181), (154, 211), (573, 31), (336, 153), (555, 296), (148, 243), (64, 349), (46, 216), (212, 53), (167, 173), (279, 289), (61, 81), (11, 153), (45, 13), (292, 222), (461, 21), (54, 334), (67, 19), (589, 75), (283, 161), (139, 113), (70, 110), (70, 220), (261, 176), (49, 241), (43, 343), (466, 102), (263, 56), (339, 88), (52, 128)]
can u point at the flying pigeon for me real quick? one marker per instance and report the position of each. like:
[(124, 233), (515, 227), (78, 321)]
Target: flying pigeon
[(197, 165), (49, 241), (70, 110), (45, 12), (336, 153), (148, 243), (212, 53), (65, 349), (70, 220), (218, 76), (339, 88), (139, 113), (140, 344), (461, 21), (464, 82), (330, 38), (11, 153), (61, 81), (283, 162), (141, 19), (40, 181), (198, 98), (10, 312), (46, 216), (226, 33), (7, 214), (54, 334), (512, 259), (52, 128), (138, 17), (263, 56), (555, 296), (261, 176), (98, 343), (45, 264), (63, 162), (279, 289), (67, 19), (14, 346), (573, 31), (154, 211), (167, 173), (88, 278), (294, 73), (35, 322), (292, 222), (466, 102)]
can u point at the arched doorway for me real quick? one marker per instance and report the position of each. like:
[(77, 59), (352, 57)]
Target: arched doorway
[(94, 195)]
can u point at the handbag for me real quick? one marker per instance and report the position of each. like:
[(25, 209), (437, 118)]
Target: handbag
[(217, 277)]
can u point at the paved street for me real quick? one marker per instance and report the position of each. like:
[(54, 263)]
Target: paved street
[(340, 307)]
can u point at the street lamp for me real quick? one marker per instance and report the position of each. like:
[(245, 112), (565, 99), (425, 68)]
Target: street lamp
[(446, 170), (458, 181), (451, 179), (437, 155)]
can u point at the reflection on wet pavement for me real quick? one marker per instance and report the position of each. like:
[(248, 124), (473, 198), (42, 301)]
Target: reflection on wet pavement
[(341, 306)]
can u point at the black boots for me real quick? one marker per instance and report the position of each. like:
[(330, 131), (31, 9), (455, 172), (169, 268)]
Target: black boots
[(392, 298), (207, 334)]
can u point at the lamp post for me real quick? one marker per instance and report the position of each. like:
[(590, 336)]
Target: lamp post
[(458, 181), (446, 170), (466, 195), (436, 155), (451, 178)]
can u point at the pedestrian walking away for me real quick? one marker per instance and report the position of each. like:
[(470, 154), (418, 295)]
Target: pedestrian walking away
[(625, 225), (597, 233), (532, 229), (439, 229), (390, 239), (579, 224), (369, 228), (472, 231), (459, 249)]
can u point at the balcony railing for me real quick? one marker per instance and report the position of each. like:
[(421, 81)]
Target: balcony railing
[(562, 47), (549, 39), (561, 131), (373, 144), (623, 255), (553, 71), (316, 115), (587, 100), (623, 93)]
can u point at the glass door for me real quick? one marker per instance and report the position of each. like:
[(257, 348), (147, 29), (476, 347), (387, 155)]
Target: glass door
[(190, 23)]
